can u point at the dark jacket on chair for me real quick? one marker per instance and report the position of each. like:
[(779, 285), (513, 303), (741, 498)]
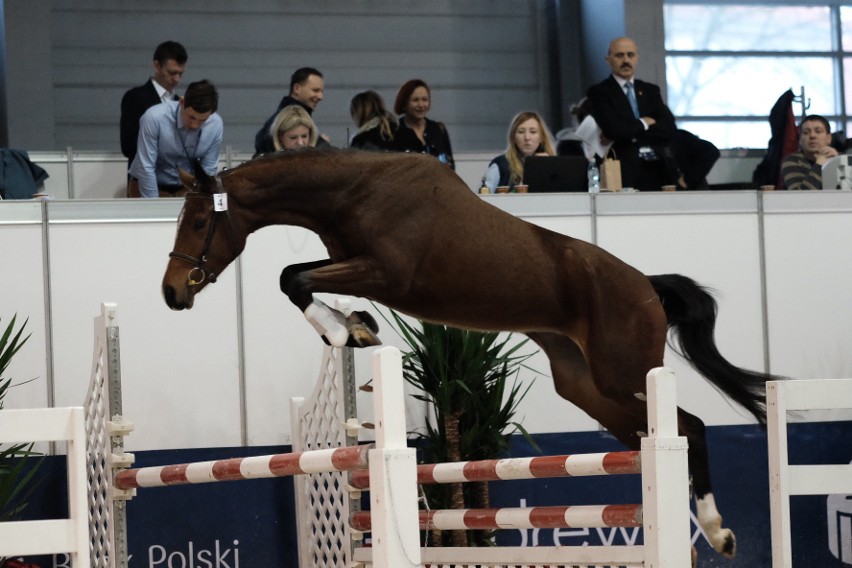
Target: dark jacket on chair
[(19, 177)]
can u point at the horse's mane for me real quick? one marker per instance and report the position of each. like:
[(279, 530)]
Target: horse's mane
[(318, 152)]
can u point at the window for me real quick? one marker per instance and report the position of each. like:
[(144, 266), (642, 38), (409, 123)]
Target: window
[(727, 63)]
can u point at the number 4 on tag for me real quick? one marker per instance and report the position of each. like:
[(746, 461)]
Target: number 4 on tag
[(220, 201)]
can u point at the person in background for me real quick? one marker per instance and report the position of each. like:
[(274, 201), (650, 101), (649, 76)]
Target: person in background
[(528, 136), (174, 136), (631, 113), (169, 65), (376, 125), (416, 132), (293, 128), (803, 170), (694, 158), (307, 90)]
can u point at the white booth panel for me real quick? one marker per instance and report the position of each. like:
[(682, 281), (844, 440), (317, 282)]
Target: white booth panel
[(56, 166), (283, 352), (96, 178), (809, 284), (180, 370), (22, 292), (185, 367), (720, 251)]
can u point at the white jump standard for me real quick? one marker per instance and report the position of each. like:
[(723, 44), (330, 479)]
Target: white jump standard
[(395, 519)]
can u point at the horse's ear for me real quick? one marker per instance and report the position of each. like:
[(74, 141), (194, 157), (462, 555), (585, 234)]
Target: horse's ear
[(188, 180), (198, 180)]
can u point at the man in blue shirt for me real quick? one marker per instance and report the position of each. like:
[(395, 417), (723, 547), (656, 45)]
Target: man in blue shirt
[(172, 136)]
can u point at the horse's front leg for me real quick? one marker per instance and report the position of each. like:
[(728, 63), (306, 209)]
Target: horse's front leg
[(299, 281)]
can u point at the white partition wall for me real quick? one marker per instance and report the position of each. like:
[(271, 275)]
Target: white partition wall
[(714, 239), (220, 374), (809, 283)]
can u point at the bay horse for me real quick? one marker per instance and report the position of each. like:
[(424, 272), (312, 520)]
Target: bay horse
[(405, 231)]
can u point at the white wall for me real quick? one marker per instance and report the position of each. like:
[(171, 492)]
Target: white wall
[(182, 370)]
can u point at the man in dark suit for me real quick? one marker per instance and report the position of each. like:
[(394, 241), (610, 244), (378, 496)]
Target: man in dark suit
[(169, 64), (639, 129)]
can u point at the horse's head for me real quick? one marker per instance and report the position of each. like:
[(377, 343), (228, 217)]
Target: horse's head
[(207, 240)]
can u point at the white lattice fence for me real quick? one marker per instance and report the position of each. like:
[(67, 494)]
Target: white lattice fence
[(322, 503), (105, 446)]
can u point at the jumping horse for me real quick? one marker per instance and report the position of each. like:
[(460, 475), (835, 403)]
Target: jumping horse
[(405, 231)]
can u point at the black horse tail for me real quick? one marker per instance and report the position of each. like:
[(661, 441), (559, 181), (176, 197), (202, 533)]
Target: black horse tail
[(691, 314)]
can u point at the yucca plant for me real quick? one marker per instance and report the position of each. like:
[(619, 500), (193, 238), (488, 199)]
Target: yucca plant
[(464, 378), (16, 470)]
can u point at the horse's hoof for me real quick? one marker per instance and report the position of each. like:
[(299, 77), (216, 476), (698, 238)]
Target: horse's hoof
[(362, 336), (728, 545), (365, 318), (694, 557)]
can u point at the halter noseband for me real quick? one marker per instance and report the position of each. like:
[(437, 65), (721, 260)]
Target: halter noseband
[(199, 264)]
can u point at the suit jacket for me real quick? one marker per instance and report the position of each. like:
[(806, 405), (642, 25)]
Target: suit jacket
[(612, 111), (134, 103)]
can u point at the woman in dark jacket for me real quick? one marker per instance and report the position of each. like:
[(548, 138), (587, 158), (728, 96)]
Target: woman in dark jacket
[(377, 127), (416, 132)]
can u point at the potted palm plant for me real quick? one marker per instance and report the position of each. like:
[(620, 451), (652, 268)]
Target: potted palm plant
[(16, 469), (468, 380)]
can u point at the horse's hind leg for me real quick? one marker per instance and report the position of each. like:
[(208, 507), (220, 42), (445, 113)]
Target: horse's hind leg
[(620, 408), (721, 539)]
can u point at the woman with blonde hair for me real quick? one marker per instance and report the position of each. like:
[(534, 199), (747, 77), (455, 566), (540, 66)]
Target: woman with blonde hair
[(293, 128), (376, 125), (528, 136)]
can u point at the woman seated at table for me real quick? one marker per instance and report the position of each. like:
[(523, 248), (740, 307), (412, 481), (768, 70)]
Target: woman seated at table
[(376, 125), (293, 128), (528, 136)]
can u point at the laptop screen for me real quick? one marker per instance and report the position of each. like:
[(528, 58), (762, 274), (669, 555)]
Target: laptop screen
[(556, 174)]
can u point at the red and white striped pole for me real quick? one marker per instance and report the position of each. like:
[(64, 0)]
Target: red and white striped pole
[(254, 467), (611, 463), (585, 516)]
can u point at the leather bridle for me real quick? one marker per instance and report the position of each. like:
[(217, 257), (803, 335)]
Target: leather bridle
[(199, 271)]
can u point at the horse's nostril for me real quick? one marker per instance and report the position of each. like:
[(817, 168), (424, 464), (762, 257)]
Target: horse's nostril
[(169, 296)]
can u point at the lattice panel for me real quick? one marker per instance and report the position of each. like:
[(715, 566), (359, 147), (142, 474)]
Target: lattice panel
[(323, 505), (107, 529)]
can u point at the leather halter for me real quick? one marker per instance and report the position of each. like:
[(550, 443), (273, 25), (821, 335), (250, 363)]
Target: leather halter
[(199, 263)]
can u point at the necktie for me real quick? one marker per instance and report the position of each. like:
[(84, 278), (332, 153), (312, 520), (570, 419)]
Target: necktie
[(631, 96)]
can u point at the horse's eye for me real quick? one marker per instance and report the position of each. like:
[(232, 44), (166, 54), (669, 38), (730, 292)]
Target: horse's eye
[(199, 224)]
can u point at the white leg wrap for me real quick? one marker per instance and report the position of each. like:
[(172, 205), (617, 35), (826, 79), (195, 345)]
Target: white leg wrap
[(328, 322), (711, 521)]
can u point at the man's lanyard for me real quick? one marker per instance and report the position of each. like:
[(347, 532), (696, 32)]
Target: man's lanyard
[(183, 141)]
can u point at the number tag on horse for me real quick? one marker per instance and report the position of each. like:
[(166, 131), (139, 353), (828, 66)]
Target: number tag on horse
[(220, 201)]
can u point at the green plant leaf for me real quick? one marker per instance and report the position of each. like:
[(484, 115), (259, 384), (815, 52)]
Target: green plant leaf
[(17, 470)]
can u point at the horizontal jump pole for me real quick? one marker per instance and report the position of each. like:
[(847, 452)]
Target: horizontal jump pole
[(254, 467), (584, 516), (610, 463)]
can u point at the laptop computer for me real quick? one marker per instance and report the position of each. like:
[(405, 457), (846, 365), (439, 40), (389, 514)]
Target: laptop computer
[(556, 174)]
